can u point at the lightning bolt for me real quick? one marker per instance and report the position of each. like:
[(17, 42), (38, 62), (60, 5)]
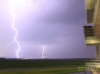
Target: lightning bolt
[(13, 27), (13, 15), (43, 52)]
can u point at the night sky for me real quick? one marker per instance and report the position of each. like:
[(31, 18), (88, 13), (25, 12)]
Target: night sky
[(56, 24)]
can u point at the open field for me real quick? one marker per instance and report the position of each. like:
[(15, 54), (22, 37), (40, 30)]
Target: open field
[(40, 63), (40, 66), (43, 71)]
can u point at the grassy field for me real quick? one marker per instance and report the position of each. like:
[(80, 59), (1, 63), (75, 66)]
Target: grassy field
[(46, 71), (69, 66), (39, 63)]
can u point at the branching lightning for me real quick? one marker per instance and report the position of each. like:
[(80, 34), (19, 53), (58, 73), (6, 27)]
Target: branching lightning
[(9, 44), (15, 40), (15, 4), (43, 52), (13, 15), (15, 33)]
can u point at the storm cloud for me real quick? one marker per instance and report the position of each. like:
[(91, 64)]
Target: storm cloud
[(56, 24)]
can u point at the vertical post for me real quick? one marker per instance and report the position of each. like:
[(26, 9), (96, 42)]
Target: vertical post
[(89, 5), (97, 52)]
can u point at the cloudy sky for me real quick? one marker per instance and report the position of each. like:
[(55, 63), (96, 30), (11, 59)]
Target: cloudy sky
[(56, 24)]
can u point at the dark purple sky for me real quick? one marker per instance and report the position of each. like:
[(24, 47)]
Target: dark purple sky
[(56, 24)]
